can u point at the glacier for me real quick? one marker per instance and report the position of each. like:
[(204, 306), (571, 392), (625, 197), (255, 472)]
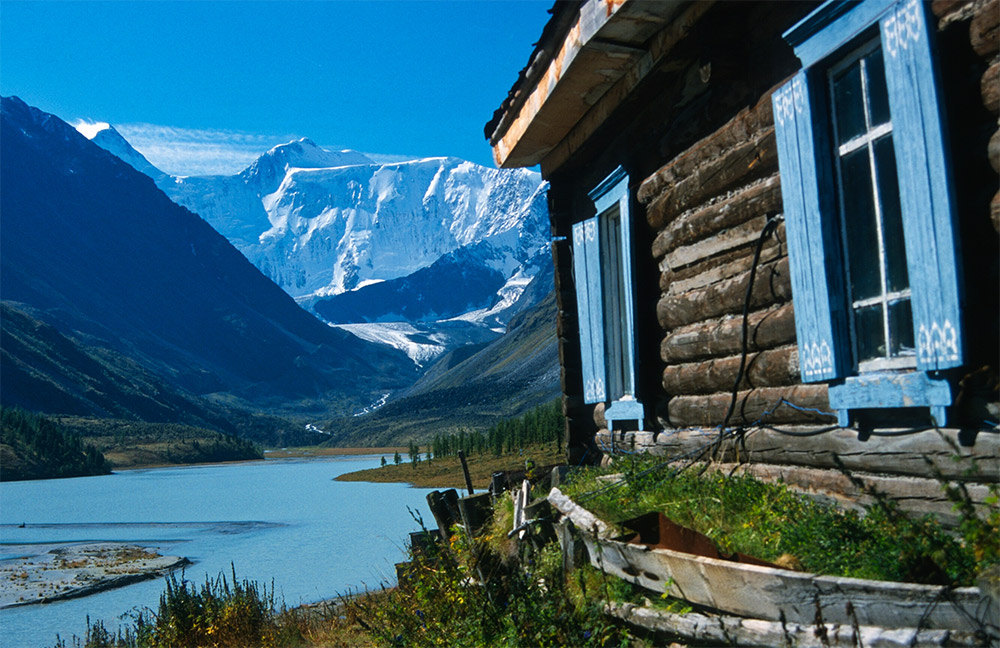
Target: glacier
[(336, 229)]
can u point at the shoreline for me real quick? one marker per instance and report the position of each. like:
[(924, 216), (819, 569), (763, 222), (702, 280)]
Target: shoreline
[(306, 452), (75, 570)]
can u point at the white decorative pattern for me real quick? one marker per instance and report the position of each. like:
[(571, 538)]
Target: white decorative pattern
[(902, 28), (817, 360), (594, 391), (591, 229), (578, 235), (789, 100), (939, 343)]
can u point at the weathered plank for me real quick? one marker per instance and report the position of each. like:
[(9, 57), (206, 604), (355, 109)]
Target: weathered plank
[(772, 285), (753, 405), (580, 517), (984, 30), (771, 368), (754, 159), (919, 454), (785, 595), (752, 200), (722, 337), (738, 631)]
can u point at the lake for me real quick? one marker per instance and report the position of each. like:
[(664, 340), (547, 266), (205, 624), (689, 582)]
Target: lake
[(281, 520)]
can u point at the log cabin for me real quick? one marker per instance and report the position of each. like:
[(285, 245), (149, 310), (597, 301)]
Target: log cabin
[(775, 235)]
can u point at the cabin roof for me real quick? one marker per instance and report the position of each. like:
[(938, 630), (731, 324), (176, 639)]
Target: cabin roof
[(586, 47)]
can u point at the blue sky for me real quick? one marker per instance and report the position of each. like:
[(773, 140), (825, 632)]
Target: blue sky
[(206, 86)]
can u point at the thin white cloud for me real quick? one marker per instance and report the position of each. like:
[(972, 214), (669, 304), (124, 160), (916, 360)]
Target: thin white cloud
[(193, 152), (188, 151)]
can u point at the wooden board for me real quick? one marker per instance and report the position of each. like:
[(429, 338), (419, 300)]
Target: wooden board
[(729, 630), (774, 594)]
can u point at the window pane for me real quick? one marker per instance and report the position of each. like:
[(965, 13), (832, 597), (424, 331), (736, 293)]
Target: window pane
[(613, 280), (848, 104), (901, 328), (892, 220), (870, 332), (860, 225), (878, 96)]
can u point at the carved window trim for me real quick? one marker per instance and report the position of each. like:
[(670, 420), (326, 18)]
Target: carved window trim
[(809, 193)]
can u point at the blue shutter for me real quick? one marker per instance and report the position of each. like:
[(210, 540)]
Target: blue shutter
[(817, 286), (590, 308), (925, 186)]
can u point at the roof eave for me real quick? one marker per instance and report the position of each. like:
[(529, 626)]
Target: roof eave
[(571, 72)]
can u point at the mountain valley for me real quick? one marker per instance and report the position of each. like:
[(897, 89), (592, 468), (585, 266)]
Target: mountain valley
[(433, 277)]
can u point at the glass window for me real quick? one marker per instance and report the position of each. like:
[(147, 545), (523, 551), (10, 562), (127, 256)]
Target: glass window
[(877, 283)]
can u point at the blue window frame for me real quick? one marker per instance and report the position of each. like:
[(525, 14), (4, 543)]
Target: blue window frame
[(869, 211), (602, 264)]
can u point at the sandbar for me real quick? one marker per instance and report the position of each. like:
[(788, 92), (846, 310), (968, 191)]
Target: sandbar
[(70, 571)]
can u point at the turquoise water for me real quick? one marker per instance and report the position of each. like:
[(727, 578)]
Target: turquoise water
[(280, 520)]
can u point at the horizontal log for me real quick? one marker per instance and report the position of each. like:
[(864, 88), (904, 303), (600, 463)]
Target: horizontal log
[(920, 454), (766, 329), (995, 211), (570, 403), (727, 265), (753, 200), (772, 285), (918, 496), (746, 125), (704, 628), (754, 159), (945, 8), (772, 368), (994, 148), (753, 406), (738, 236), (984, 31), (989, 86)]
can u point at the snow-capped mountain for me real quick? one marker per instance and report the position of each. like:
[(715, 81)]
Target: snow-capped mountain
[(322, 224), (108, 138), (96, 251), (361, 242)]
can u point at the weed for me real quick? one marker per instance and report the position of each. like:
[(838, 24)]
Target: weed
[(473, 592), (768, 521), (220, 614)]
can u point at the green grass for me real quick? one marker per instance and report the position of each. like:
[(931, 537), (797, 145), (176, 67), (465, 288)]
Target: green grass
[(222, 613), (769, 521)]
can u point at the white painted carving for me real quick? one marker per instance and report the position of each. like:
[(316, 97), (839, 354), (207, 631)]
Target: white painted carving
[(594, 390), (902, 28), (789, 100), (817, 359), (578, 236), (591, 229), (937, 343)]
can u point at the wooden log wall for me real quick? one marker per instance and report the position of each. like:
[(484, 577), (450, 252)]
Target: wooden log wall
[(709, 207), (909, 469), (983, 19)]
